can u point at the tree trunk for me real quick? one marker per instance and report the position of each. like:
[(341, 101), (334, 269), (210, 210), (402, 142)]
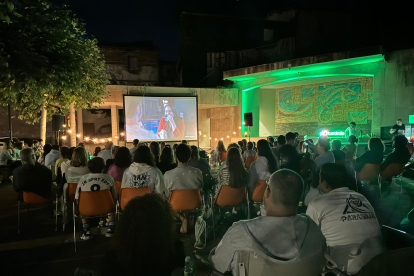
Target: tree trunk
[(43, 111), (72, 118)]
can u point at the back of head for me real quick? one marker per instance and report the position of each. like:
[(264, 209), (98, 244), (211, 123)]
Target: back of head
[(109, 145), (183, 153), (234, 145), (123, 158), (55, 147), (135, 142), (146, 222), (286, 187), (352, 124), (70, 152), (263, 149), (167, 156), (336, 144), (97, 150), (184, 142), (64, 152), (27, 156), (288, 157), (19, 145), (244, 142), (290, 136), (400, 141), (235, 167), (46, 149), (96, 165), (194, 152), (155, 148), (144, 155), (240, 143), (281, 140), (79, 157), (353, 139), (81, 144), (114, 150), (376, 144), (29, 143), (335, 175), (271, 140), (250, 146), (220, 146), (324, 143)]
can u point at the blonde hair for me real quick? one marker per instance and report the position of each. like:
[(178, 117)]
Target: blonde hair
[(79, 157)]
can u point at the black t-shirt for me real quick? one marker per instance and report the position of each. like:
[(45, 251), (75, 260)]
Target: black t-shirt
[(339, 155), (396, 128), (33, 178)]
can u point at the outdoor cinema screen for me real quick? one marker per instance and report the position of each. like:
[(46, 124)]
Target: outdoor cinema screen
[(160, 118)]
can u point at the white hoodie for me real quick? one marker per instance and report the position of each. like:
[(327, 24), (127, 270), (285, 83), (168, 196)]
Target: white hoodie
[(142, 175), (283, 239), (52, 157)]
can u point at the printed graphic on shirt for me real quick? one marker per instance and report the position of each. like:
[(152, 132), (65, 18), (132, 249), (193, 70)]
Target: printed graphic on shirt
[(356, 210), (97, 180), (141, 180)]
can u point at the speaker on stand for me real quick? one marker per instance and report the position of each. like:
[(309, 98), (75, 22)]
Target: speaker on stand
[(248, 121), (57, 125)]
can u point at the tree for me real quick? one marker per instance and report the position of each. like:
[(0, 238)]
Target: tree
[(47, 61)]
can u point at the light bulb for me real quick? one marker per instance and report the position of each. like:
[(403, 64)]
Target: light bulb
[(228, 136), (86, 138), (116, 137), (102, 140), (78, 135), (122, 134), (69, 131), (209, 138), (221, 139), (204, 135), (109, 139), (234, 132), (64, 137), (240, 127), (64, 125)]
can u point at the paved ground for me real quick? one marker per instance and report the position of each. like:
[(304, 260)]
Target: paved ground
[(40, 250)]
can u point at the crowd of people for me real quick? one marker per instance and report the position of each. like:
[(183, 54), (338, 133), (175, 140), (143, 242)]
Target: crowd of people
[(317, 176)]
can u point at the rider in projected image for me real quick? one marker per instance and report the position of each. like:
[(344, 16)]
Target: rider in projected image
[(171, 125)]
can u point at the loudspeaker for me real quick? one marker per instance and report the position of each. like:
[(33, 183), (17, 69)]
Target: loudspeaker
[(57, 122), (248, 119)]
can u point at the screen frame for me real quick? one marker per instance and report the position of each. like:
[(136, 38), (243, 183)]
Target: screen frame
[(161, 96)]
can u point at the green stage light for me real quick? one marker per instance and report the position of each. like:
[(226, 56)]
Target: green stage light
[(411, 119), (332, 133)]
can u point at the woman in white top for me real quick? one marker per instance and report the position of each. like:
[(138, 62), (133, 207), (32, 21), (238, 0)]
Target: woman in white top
[(264, 166), (78, 166)]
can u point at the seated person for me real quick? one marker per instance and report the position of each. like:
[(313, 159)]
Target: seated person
[(33, 177), (143, 172), (323, 149), (52, 156), (7, 155), (339, 155), (288, 158), (63, 157), (400, 153), (147, 216), (282, 234), (249, 152), (96, 181), (66, 163), (46, 150), (17, 149), (183, 177), (233, 173), (233, 145), (122, 162), (111, 160), (78, 166), (167, 160), (203, 166), (373, 155), (344, 216), (107, 152)]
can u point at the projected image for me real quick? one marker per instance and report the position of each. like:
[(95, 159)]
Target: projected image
[(160, 118)]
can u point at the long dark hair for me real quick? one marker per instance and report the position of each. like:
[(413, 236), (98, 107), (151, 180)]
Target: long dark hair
[(236, 169), (143, 154), (167, 156), (263, 149), (176, 117), (146, 222), (376, 144), (97, 150), (46, 149), (155, 149), (123, 158), (220, 146)]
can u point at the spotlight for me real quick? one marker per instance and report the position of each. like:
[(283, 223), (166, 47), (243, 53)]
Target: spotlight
[(199, 132), (243, 123)]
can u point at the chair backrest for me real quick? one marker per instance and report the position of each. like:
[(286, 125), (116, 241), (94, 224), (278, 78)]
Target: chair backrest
[(185, 200), (126, 194), (393, 169), (118, 187), (259, 265), (32, 198), (71, 191), (97, 203), (229, 196), (249, 161), (223, 156), (350, 155), (369, 172), (396, 239), (258, 192)]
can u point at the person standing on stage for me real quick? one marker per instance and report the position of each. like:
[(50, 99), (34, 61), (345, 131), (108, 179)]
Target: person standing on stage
[(353, 129), (398, 128)]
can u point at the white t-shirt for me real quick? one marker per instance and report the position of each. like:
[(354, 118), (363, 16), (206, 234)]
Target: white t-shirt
[(327, 157), (344, 216), (94, 182), (248, 153), (105, 154), (182, 178)]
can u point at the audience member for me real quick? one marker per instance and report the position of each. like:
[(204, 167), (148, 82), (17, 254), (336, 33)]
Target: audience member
[(97, 150), (264, 166), (167, 160), (155, 149), (249, 152), (81, 144), (7, 154), (288, 158), (135, 144), (244, 144), (18, 147), (63, 157), (46, 149), (282, 235), (183, 177), (233, 173), (351, 147), (78, 166), (66, 163), (339, 155), (290, 138), (220, 150), (107, 152), (373, 155), (111, 160), (400, 153), (122, 162), (254, 146), (241, 145), (40, 144), (323, 148), (143, 172), (52, 156), (96, 181), (33, 177), (281, 140), (271, 140), (203, 166), (184, 142), (162, 144), (345, 217), (146, 222), (232, 145)]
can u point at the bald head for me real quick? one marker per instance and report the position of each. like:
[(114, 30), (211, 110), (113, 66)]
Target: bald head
[(286, 187), (27, 156)]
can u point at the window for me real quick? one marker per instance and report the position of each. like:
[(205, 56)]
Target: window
[(132, 63)]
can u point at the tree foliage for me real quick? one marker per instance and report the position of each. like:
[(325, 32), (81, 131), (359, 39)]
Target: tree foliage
[(45, 56)]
